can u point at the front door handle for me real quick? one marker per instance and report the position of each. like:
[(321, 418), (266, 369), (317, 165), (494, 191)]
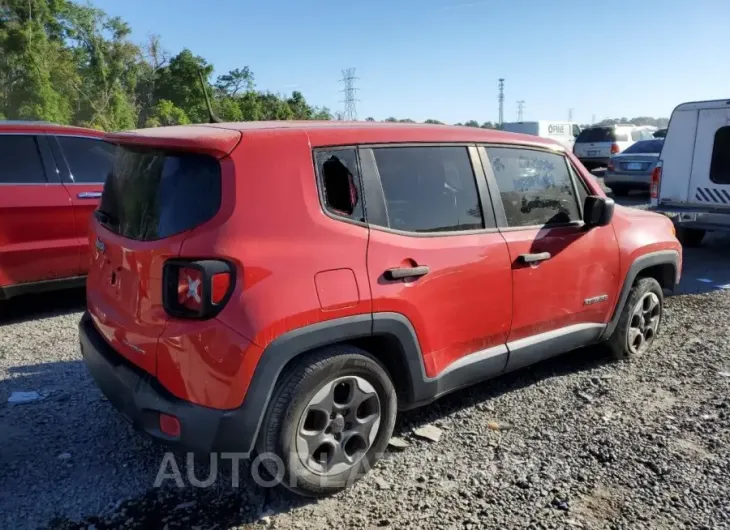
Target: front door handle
[(406, 272), (534, 258), (89, 195)]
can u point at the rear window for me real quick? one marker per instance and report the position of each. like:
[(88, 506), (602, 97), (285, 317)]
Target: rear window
[(645, 146), (720, 165), (153, 194), (596, 134)]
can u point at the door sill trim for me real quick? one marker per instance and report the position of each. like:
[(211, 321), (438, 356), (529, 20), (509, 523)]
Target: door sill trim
[(42, 286)]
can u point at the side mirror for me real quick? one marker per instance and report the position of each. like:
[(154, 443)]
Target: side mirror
[(598, 211)]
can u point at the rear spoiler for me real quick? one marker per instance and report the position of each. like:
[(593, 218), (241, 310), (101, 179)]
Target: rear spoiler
[(208, 139)]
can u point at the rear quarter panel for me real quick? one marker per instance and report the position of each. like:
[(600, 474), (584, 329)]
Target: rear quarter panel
[(288, 253)]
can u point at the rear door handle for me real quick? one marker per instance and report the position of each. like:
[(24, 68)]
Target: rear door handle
[(89, 195), (534, 258), (406, 272)]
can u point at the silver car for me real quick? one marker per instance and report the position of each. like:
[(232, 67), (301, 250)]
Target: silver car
[(632, 169)]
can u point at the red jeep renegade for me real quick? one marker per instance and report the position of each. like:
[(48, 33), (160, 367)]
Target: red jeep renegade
[(284, 288), (51, 178)]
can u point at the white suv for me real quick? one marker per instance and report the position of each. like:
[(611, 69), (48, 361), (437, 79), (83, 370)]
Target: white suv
[(595, 145)]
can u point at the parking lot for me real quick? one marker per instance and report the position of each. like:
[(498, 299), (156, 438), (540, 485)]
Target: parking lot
[(581, 442)]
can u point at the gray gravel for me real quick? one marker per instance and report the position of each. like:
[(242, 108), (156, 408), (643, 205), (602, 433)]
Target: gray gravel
[(591, 443)]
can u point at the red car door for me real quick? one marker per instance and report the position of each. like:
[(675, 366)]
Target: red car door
[(85, 162), (564, 276), (37, 234), (435, 258)]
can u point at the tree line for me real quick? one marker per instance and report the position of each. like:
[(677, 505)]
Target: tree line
[(72, 63)]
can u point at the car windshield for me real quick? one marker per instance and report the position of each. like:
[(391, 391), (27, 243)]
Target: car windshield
[(645, 146), (597, 134)]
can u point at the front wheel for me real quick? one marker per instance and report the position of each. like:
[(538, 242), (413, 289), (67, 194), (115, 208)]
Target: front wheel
[(329, 421), (640, 319)]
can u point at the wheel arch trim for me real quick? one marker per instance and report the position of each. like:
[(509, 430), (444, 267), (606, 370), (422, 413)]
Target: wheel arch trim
[(640, 264)]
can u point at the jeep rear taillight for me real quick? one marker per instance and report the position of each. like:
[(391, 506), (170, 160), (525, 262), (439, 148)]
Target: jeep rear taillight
[(196, 289), (614, 149), (656, 179)]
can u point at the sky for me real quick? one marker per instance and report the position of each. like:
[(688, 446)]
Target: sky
[(441, 59)]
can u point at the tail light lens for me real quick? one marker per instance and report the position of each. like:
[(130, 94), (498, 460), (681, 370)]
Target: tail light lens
[(196, 289), (614, 149), (656, 179)]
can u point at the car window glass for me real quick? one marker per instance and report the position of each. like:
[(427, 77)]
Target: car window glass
[(20, 160), (429, 189), (89, 160), (636, 135), (536, 187), (720, 164), (340, 180), (596, 134)]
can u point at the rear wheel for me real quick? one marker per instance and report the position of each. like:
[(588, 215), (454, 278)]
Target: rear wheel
[(690, 237), (329, 421), (640, 319)]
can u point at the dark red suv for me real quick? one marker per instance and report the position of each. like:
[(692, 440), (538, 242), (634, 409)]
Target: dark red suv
[(51, 178), (284, 288)]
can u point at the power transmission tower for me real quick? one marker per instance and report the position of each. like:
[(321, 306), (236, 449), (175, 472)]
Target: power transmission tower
[(570, 114), (501, 102), (348, 79), (520, 109)]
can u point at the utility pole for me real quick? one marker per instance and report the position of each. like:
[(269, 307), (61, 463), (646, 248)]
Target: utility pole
[(501, 102), (570, 115), (593, 120), (348, 79), (520, 109)]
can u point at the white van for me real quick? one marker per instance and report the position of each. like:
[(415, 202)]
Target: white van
[(691, 183), (564, 132)]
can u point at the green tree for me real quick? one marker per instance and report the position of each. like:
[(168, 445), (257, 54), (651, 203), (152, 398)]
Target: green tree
[(433, 122), (472, 123), (235, 81), (299, 107), (166, 113), (179, 82)]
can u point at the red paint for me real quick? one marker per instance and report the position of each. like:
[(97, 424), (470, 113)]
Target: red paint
[(44, 226), (296, 266), (550, 294)]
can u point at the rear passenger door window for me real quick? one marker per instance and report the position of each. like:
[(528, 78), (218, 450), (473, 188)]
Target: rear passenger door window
[(20, 160), (89, 160), (536, 187), (340, 184), (720, 164), (429, 189)]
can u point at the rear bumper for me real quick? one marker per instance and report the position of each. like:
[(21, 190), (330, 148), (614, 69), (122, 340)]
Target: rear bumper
[(594, 161), (637, 180), (697, 218), (141, 400)]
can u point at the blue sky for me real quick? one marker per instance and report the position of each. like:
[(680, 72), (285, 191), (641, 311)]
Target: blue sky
[(441, 59)]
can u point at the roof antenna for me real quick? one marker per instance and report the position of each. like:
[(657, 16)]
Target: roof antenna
[(212, 117)]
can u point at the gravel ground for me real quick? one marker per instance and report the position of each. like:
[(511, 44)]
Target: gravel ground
[(584, 442)]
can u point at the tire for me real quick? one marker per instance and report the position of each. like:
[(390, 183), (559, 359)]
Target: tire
[(302, 396), (623, 342), (690, 237)]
